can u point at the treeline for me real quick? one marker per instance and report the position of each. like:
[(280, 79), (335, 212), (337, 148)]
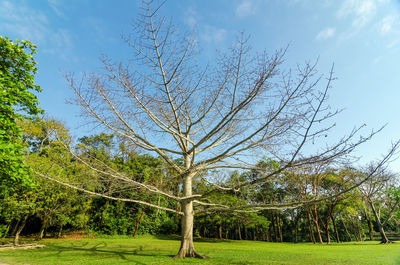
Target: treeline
[(48, 208)]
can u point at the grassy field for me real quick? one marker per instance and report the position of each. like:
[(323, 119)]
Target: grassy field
[(153, 250)]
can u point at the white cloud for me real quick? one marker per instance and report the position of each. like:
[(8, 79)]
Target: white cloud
[(32, 24), (389, 28), (245, 8), (325, 34), (213, 34), (55, 5), (361, 11), (393, 43), (190, 18), (387, 24), (22, 21)]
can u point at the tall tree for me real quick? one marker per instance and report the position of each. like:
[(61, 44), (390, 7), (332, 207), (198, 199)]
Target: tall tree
[(207, 119), (17, 98), (376, 193)]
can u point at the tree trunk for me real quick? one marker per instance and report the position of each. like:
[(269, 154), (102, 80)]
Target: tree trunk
[(15, 227), (358, 224), (384, 239), (42, 228), (20, 228), (328, 238), (330, 214), (335, 228), (315, 219), (220, 231), (296, 228), (187, 248), (275, 228), (370, 226), (312, 237), (347, 231), (137, 223), (371, 230), (239, 231), (256, 235), (60, 232)]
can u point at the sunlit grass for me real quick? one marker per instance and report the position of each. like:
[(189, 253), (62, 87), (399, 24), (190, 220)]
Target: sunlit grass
[(153, 250)]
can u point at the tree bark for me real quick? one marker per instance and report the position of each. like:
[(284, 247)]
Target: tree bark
[(314, 217), (239, 231), (220, 231), (187, 247), (328, 238), (335, 228), (20, 228), (384, 239), (370, 226), (15, 227), (330, 214), (280, 223), (371, 229), (60, 232), (347, 231), (137, 223), (42, 228), (312, 237)]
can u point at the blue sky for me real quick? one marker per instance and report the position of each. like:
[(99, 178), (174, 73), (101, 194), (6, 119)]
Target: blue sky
[(361, 37)]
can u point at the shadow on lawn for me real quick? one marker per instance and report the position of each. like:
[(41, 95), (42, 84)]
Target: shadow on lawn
[(196, 239), (95, 250)]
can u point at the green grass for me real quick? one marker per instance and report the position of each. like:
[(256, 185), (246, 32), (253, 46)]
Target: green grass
[(153, 250)]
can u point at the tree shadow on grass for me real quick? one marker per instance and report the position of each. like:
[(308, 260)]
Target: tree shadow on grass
[(95, 250), (196, 239)]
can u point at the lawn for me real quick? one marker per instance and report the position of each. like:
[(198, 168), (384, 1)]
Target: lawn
[(153, 250)]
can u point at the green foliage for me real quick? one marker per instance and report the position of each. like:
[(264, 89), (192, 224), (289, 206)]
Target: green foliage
[(17, 69)]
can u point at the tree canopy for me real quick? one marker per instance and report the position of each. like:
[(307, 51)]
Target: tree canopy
[(17, 98)]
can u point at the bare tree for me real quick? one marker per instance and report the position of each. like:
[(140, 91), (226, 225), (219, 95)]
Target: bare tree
[(212, 118), (375, 193)]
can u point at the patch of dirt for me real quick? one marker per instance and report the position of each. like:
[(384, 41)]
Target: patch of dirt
[(11, 246), (76, 235)]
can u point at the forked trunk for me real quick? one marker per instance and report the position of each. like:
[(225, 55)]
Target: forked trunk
[(42, 229), (384, 239), (19, 230)]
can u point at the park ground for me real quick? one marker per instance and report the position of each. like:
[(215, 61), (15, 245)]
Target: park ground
[(160, 250)]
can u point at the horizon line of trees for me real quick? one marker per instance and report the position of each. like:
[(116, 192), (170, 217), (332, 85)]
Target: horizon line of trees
[(49, 207)]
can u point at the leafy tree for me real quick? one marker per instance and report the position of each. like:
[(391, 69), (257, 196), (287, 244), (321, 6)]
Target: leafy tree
[(44, 141), (17, 69)]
